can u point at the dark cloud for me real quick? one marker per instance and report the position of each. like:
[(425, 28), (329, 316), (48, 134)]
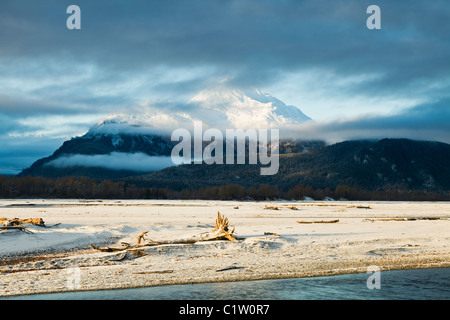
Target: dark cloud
[(253, 40)]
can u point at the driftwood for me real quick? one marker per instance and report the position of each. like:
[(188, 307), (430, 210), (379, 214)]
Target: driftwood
[(20, 228), (141, 237), (222, 231), (320, 221), (405, 219), (387, 219), (359, 207), (266, 207), (271, 234), (230, 268), (19, 224), (154, 272)]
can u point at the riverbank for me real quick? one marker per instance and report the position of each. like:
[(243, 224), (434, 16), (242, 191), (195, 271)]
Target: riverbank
[(271, 243)]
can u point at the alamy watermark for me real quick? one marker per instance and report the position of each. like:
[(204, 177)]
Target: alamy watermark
[(374, 280), (73, 278), (73, 22), (257, 141)]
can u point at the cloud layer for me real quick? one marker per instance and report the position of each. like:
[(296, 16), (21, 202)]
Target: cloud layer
[(139, 162)]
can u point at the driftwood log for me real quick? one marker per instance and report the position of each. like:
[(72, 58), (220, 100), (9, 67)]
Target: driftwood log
[(359, 207), (221, 231), (19, 224), (20, 228), (405, 219), (320, 221)]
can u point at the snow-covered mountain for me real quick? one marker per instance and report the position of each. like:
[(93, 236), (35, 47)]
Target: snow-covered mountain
[(218, 107), (138, 140), (250, 109)]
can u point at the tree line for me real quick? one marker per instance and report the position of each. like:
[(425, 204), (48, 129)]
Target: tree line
[(87, 188)]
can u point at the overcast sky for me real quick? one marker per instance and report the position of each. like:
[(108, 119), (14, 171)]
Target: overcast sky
[(317, 55)]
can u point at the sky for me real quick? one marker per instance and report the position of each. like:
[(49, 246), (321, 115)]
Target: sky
[(318, 55)]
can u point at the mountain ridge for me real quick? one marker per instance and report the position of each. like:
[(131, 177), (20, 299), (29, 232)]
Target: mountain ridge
[(385, 165), (398, 164)]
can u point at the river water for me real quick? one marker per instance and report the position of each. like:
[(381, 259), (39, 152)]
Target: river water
[(419, 284)]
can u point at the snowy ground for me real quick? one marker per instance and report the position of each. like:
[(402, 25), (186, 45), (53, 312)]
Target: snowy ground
[(272, 244)]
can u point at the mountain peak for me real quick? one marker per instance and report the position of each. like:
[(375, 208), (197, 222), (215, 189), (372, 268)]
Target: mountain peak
[(250, 108), (221, 106)]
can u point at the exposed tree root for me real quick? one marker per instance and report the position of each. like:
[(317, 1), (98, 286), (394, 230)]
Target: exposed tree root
[(141, 237)]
